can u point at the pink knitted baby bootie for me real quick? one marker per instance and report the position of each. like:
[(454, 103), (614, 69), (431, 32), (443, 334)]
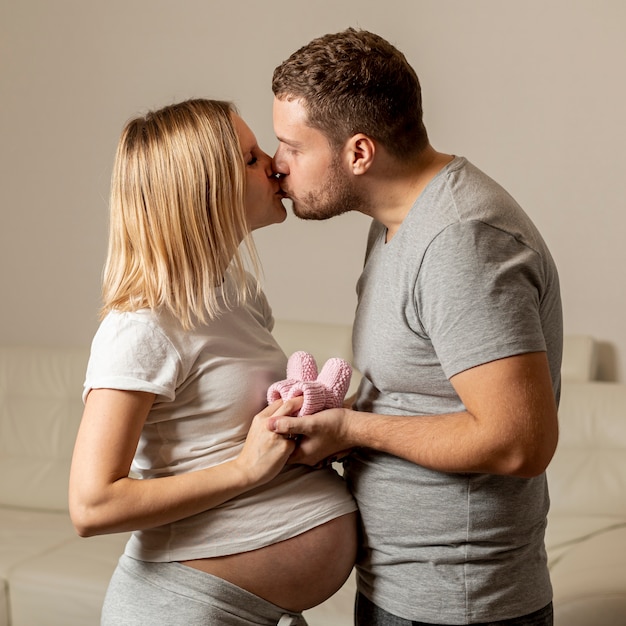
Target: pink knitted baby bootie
[(325, 391)]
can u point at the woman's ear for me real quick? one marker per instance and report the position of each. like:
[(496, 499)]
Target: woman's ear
[(360, 150)]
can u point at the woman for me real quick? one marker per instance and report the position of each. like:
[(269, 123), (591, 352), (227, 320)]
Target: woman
[(173, 442)]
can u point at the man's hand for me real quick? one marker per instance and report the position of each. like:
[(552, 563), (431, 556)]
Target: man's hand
[(322, 436), (509, 427)]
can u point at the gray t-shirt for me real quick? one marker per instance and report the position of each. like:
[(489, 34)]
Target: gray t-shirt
[(467, 279)]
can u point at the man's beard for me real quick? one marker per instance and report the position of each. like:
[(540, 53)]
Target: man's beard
[(339, 194)]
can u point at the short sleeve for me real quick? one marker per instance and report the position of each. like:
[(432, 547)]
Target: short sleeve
[(478, 296), (130, 352)]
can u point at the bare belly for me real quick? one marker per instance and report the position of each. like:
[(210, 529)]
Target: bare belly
[(295, 574)]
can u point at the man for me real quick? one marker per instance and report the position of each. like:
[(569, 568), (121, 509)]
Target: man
[(458, 336)]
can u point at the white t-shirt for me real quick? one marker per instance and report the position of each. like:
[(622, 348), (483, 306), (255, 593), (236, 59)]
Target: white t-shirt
[(209, 383)]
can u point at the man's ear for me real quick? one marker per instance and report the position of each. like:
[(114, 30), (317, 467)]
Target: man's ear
[(360, 150)]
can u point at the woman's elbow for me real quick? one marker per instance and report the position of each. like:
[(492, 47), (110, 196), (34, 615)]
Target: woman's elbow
[(86, 517), (82, 520)]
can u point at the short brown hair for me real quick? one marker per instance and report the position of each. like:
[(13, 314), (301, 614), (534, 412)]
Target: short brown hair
[(356, 82)]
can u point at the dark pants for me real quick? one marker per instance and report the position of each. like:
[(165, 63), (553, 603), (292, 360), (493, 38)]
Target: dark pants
[(368, 614)]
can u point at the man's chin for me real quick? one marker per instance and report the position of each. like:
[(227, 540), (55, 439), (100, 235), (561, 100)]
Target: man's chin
[(299, 213), (308, 213), (317, 216), (298, 210)]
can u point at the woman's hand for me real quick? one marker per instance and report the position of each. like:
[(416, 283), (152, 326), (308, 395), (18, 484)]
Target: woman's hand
[(265, 452), (105, 499)]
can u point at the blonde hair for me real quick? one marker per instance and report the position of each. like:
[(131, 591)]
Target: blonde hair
[(177, 214)]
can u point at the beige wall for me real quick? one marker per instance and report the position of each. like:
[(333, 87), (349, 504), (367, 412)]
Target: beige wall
[(532, 91)]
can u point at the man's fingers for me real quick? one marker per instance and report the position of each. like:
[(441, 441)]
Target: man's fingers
[(286, 426), (280, 425)]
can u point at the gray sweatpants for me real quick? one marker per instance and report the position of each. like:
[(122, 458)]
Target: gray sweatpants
[(171, 594)]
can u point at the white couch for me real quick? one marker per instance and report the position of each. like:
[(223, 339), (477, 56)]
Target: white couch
[(51, 577)]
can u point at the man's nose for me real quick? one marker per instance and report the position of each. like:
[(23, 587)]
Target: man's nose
[(279, 166)]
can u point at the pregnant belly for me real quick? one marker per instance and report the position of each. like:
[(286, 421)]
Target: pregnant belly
[(295, 574)]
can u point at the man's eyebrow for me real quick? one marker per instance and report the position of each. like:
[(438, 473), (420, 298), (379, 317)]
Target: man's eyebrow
[(289, 142)]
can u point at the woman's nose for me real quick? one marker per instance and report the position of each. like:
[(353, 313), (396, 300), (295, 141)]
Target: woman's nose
[(266, 160)]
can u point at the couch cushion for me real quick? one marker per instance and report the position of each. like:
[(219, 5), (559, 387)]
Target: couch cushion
[(25, 535), (4, 603), (587, 474), (589, 581), (40, 409), (580, 358), (68, 583)]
